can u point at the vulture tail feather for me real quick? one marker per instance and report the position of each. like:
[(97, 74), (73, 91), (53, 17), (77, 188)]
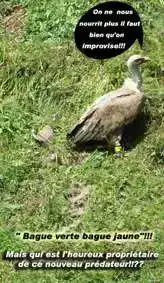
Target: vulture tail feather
[(77, 133)]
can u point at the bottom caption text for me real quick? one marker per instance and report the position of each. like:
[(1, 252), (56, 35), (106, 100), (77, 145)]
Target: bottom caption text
[(79, 260)]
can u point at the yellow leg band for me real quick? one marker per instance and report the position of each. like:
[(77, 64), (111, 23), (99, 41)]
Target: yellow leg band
[(117, 149)]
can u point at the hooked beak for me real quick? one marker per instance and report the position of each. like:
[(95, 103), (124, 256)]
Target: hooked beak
[(146, 59)]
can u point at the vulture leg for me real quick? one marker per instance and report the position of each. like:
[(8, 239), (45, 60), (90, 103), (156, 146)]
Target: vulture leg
[(118, 149), (115, 140)]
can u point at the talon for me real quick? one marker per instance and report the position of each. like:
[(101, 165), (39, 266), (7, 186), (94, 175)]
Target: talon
[(118, 155)]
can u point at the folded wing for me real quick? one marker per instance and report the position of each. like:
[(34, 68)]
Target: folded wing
[(109, 113)]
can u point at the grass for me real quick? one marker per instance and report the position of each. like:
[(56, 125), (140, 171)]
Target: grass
[(45, 74)]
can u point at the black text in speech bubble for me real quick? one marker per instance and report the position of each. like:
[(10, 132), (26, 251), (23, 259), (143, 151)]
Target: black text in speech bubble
[(108, 29)]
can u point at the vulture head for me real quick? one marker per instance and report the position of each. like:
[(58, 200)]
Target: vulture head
[(136, 60), (133, 64)]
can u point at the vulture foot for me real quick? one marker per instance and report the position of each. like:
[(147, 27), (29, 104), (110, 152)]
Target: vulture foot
[(118, 155), (119, 152)]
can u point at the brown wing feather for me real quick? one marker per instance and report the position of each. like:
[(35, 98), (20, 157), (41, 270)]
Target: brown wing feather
[(108, 113), (83, 120)]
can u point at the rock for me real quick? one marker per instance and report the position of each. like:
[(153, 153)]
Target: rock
[(44, 135)]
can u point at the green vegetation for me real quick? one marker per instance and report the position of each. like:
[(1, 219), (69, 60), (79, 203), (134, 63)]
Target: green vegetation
[(45, 74)]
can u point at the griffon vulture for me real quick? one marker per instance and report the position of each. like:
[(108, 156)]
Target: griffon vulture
[(107, 116)]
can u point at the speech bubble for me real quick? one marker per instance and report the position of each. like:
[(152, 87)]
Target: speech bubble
[(108, 29)]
